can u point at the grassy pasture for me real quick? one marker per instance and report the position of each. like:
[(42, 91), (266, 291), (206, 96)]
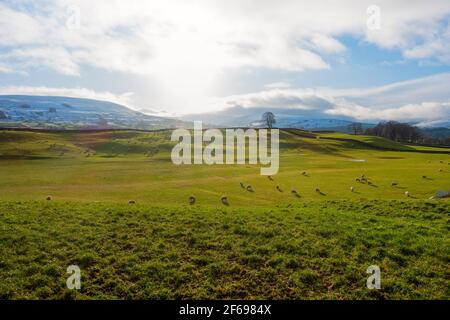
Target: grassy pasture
[(120, 166), (266, 244)]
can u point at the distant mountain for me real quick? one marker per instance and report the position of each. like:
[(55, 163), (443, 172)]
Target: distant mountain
[(74, 113), (286, 118), (437, 133)]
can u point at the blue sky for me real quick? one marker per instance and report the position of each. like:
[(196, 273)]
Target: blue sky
[(173, 57)]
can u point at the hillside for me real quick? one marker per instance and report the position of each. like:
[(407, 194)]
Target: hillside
[(74, 113), (123, 165), (113, 203)]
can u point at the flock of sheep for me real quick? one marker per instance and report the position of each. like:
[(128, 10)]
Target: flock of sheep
[(361, 179)]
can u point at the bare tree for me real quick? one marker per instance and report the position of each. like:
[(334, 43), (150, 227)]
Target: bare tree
[(396, 131), (269, 119), (356, 128)]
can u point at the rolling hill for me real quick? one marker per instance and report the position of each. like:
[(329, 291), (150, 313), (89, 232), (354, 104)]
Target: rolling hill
[(74, 113), (113, 203)]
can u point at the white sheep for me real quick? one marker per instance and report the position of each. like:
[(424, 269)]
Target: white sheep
[(407, 194), (249, 188), (352, 189), (224, 200)]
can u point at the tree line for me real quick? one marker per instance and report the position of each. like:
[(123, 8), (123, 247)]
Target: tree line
[(403, 132)]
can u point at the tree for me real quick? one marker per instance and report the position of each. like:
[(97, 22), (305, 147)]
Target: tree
[(396, 131), (269, 119), (356, 128)]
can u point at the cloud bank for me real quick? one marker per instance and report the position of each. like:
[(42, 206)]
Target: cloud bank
[(402, 101)]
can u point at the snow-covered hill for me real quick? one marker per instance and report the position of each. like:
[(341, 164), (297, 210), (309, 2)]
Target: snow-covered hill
[(64, 112)]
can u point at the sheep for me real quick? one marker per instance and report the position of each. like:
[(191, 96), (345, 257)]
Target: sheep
[(224, 200), (270, 178), (407, 193), (318, 190), (249, 188), (304, 173), (279, 189), (440, 170), (393, 184), (295, 193), (131, 202), (352, 189), (191, 200), (358, 180), (242, 185), (49, 198), (369, 183)]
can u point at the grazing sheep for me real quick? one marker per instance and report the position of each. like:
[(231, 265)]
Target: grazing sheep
[(352, 189), (279, 189), (191, 200), (369, 183), (270, 178), (358, 180), (224, 200), (49, 198), (393, 184), (407, 193), (131, 202), (318, 190), (249, 188), (242, 185), (295, 193), (304, 173), (424, 177)]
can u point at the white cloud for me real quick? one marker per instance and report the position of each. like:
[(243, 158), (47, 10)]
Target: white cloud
[(277, 85), (400, 101), (147, 37), (57, 59)]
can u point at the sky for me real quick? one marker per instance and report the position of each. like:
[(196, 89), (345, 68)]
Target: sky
[(378, 59)]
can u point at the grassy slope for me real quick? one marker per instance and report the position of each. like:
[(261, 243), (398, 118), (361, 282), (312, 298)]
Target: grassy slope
[(267, 244), (119, 166), (313, 250)]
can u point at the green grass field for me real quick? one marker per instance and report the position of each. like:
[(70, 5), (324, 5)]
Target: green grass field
[(265, 244)]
